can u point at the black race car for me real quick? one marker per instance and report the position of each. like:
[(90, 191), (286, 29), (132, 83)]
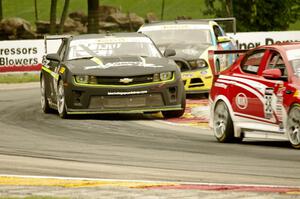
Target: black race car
[(110, 73)]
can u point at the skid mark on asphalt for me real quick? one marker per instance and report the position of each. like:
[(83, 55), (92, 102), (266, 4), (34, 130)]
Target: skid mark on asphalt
[(196, 114)]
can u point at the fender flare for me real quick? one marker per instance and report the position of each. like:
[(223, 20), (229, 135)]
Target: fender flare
[(237, 130)]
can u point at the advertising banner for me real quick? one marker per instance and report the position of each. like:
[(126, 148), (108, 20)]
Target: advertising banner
[(248, 40), (21, 55), (24, 55)]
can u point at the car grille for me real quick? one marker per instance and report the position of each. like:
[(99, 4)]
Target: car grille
[(195, 82), (125, 80), (130, 101)]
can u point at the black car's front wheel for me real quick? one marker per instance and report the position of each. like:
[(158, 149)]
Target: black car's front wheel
[(177, 113), (61, 101), (44, 101), (293, 126)]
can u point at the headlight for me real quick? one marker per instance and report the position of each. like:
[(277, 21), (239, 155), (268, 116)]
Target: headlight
[(162, 76), (83, 79), (199, 63), (86, 79), (165, 76)]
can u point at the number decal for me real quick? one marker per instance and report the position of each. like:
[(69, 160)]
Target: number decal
[(268, 103)]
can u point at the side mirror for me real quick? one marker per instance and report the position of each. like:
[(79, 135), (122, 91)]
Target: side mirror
[(223, 39), (274, 73), (169, 52), (53, 57)]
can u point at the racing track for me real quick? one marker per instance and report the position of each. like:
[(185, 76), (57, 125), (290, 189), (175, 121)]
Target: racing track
[(134, 147)]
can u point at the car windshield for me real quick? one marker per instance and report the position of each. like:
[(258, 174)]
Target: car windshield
[(112, 46), (195, 34), (294, 59)]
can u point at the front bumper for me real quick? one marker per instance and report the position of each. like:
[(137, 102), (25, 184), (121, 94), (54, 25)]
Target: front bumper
[(197, 82), (156, 97)]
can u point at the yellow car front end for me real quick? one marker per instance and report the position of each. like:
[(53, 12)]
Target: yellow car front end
[(197, 81), (198, 78)]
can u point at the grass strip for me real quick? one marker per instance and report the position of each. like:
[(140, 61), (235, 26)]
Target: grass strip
[(19, 78)]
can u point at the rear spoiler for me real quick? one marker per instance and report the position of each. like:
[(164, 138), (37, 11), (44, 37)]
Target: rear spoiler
[(211, 58), (54, 37)]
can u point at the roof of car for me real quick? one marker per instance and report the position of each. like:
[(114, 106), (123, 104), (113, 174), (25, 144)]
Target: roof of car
[(284, 45), (103, 35), (196, 21)]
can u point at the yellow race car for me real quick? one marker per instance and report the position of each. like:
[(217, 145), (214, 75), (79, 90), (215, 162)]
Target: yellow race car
[(191, 39)]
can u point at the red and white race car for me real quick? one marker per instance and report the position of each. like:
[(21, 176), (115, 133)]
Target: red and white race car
[(259, 93)]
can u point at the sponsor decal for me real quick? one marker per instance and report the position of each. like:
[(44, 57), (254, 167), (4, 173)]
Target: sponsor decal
[(127, 93), (100, 65), (118, 64), (241, 101), (111, 40), (268, 103), (62, 70), (187, 75)]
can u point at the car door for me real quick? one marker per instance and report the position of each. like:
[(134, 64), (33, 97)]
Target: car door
[(277, 86), (246, 88), (257, 98)]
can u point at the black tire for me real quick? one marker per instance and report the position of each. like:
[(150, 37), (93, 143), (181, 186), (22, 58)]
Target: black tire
[(293, 126), (44, 101), (177, 113), (61, 101), (222, 124)]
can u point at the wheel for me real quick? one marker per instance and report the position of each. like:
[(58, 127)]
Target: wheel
[(223, 125), (61, 101), (293, 126), (44, 101), (177, 113)]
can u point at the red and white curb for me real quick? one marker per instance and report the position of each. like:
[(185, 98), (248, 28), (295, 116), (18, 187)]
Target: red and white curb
[(71, 182), (196, 114)]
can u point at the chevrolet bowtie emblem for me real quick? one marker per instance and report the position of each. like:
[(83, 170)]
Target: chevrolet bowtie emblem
[(126, 80)]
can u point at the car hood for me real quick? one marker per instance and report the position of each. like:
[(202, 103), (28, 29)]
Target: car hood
[(120, 66), (186, 51)]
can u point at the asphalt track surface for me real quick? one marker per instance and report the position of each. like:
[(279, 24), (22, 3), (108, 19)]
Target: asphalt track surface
[(131, 147)]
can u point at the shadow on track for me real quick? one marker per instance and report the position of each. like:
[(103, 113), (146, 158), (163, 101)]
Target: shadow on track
[(268, 143), (115, 116)]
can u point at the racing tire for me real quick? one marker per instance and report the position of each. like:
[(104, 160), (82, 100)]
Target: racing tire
[(293, 126), (61, 100), (177, 113), (223, 125), (44, 101)]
